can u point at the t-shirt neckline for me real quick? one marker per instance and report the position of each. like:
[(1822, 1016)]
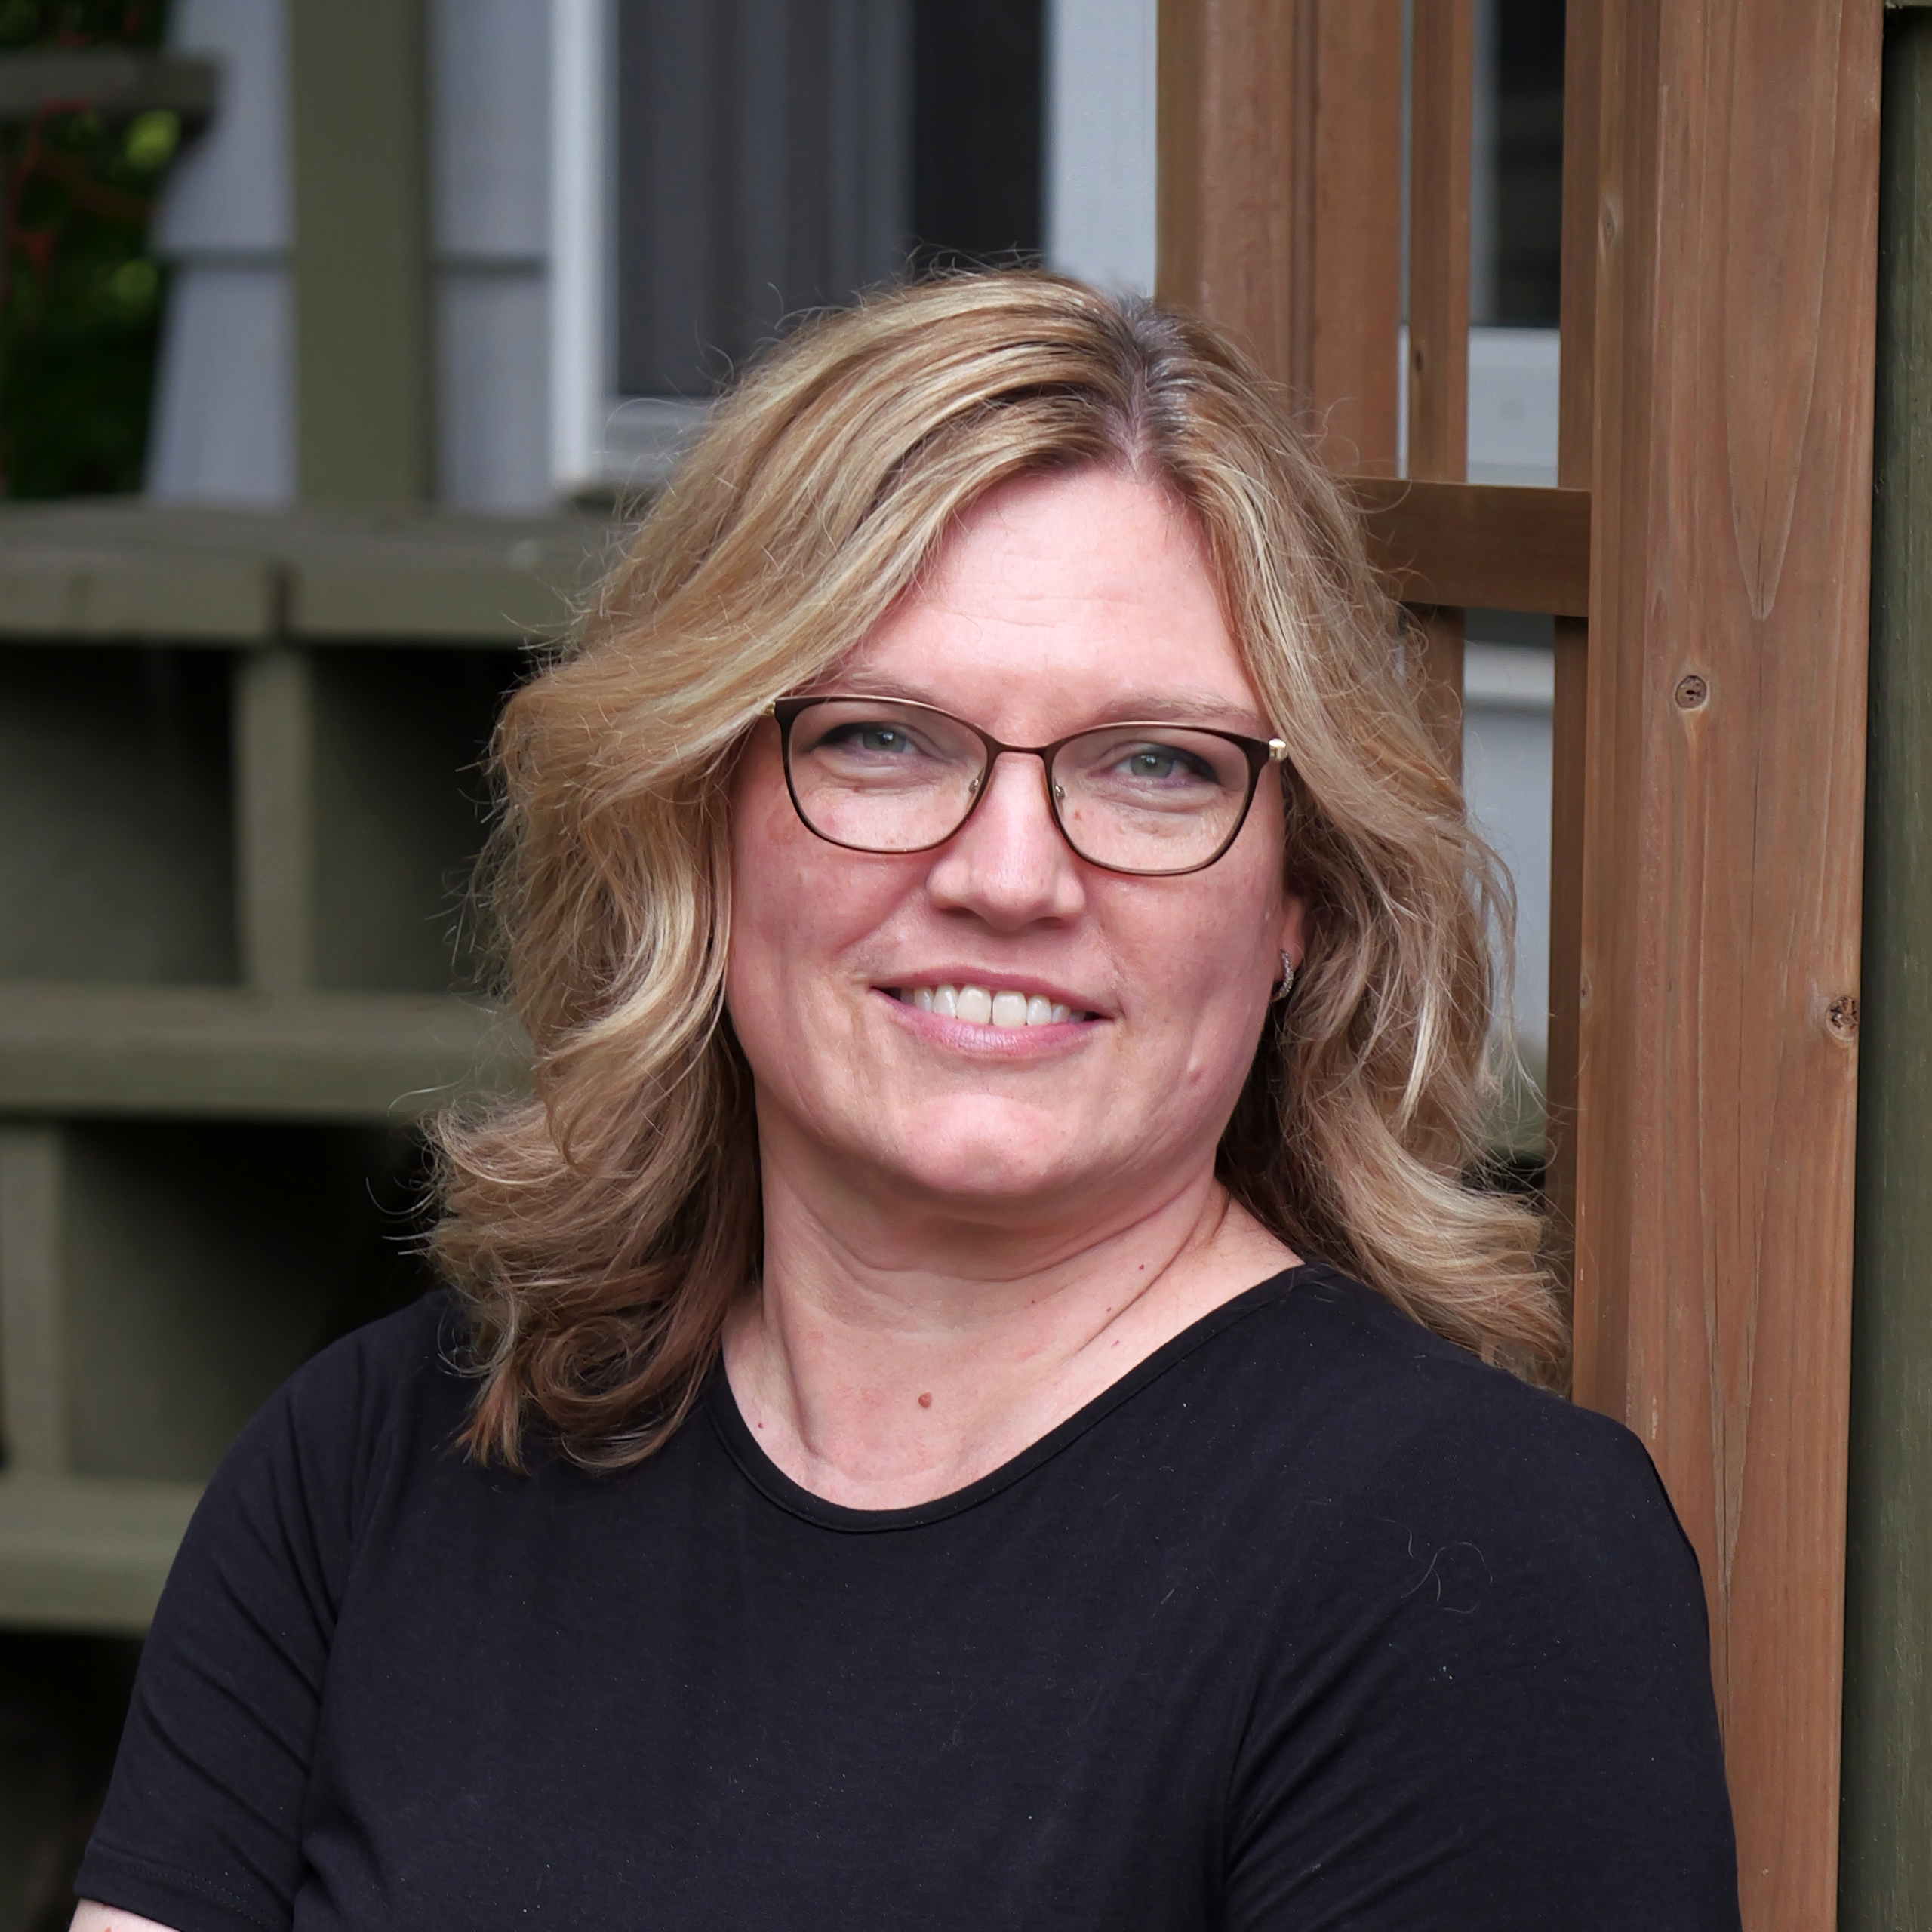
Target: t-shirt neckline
[(765, 1476)]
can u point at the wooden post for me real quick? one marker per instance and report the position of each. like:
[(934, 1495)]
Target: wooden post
[(275, 856), (1280, 214), (1442, 111), (1887, 1865), (33, 1366), (361, 260), (1738, 157), (1583, 81), (1706, 938)]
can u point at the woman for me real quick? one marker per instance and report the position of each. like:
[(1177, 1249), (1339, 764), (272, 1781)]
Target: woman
[(970, 1393)]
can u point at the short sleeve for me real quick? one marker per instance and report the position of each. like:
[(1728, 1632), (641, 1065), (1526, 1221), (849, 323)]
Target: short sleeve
[(1503, 1716), (202, 1828)]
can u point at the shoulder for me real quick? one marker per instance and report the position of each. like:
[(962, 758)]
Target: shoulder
[(412, 1356), (1361, 1360), (1395, 1424), (397, 1374), (302, 1476)]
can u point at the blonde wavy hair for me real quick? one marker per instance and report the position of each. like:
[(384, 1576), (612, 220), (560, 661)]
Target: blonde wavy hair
[(599, 1229)]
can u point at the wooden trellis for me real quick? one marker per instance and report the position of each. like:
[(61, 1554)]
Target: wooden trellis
[(1707, 559)]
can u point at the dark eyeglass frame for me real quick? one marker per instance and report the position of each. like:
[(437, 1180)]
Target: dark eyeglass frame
[(1260, 753)]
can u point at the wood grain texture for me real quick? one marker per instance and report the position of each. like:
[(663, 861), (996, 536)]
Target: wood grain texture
[(1280, 199), (1440, 116), (1355, 286), (1489, 544), (1441, 119), (1738, 151), (1583, 80), (1886, 1865)]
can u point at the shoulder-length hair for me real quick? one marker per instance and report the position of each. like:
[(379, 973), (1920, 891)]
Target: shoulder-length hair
[(600, 1229)]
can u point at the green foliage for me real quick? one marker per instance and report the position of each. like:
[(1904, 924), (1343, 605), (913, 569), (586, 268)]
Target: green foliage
[(80, 294)]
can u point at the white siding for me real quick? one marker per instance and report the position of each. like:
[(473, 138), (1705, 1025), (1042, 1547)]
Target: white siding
[(1099, 172), (490, 216), (224, 422)]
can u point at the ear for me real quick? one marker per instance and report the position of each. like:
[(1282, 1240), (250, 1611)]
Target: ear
[(1293, 934)]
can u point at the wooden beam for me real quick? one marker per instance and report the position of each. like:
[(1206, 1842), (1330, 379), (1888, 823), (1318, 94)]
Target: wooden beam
[(33, 1355), (114, 82), (1486, 544), (1738, 156), (1284, 226), (1442, 106), (1886, 1862), (1350, 368), (1441, 114), (1583, 87)]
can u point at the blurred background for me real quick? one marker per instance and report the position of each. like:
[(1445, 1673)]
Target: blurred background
[(336, 337)]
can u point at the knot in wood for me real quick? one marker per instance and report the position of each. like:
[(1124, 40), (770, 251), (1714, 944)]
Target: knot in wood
[(1691, 692), (1842, 1017)]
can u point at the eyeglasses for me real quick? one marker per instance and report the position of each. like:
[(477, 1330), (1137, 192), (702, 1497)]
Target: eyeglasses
[(878, 775)]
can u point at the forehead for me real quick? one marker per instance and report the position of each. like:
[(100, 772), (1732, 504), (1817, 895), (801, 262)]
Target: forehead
[(1061, 599)]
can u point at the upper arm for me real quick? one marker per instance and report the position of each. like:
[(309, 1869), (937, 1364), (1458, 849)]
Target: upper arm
[(90, 1916), (202, 1826)]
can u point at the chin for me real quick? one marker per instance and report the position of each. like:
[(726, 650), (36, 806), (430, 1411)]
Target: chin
[(988, 1159)]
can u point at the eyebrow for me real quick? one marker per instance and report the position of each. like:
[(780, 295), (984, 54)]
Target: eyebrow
[(1150, 707), (1186, 707)]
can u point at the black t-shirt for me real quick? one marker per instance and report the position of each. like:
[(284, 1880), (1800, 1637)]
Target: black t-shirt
[(1309, 1621)]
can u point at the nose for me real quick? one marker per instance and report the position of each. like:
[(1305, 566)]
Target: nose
[(1008, 863)]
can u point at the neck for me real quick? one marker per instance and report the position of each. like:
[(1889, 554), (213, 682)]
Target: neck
[(895, 1354)]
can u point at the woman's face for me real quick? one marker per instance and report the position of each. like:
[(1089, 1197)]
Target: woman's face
[(1059, 603)]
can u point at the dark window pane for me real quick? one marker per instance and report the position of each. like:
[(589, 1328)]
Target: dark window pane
[(1529, 160), (774, 155), (762, 168), (978, 94)]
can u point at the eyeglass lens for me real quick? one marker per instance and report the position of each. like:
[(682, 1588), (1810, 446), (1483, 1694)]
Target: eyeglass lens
[(885, 778)]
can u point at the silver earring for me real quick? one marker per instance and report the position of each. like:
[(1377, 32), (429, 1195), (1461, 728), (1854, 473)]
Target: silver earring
[(1286, 984)]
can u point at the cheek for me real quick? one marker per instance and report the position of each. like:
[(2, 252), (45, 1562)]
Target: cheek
[(799, 905), (1209, 963), (1203, 969)]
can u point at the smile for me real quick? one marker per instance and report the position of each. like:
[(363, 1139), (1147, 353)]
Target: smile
[(986, 1006)]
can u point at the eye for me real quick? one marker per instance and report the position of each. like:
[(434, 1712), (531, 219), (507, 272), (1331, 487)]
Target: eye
[(874, 737), (1163, 764)]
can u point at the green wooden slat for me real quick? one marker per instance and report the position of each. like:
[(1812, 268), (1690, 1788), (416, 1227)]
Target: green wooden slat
[(101, 596), (85, 573), (87, 1553), (361, 250), (112, 80), (171, 1051)]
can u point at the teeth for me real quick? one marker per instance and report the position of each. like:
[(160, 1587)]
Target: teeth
[(980, 1007)]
